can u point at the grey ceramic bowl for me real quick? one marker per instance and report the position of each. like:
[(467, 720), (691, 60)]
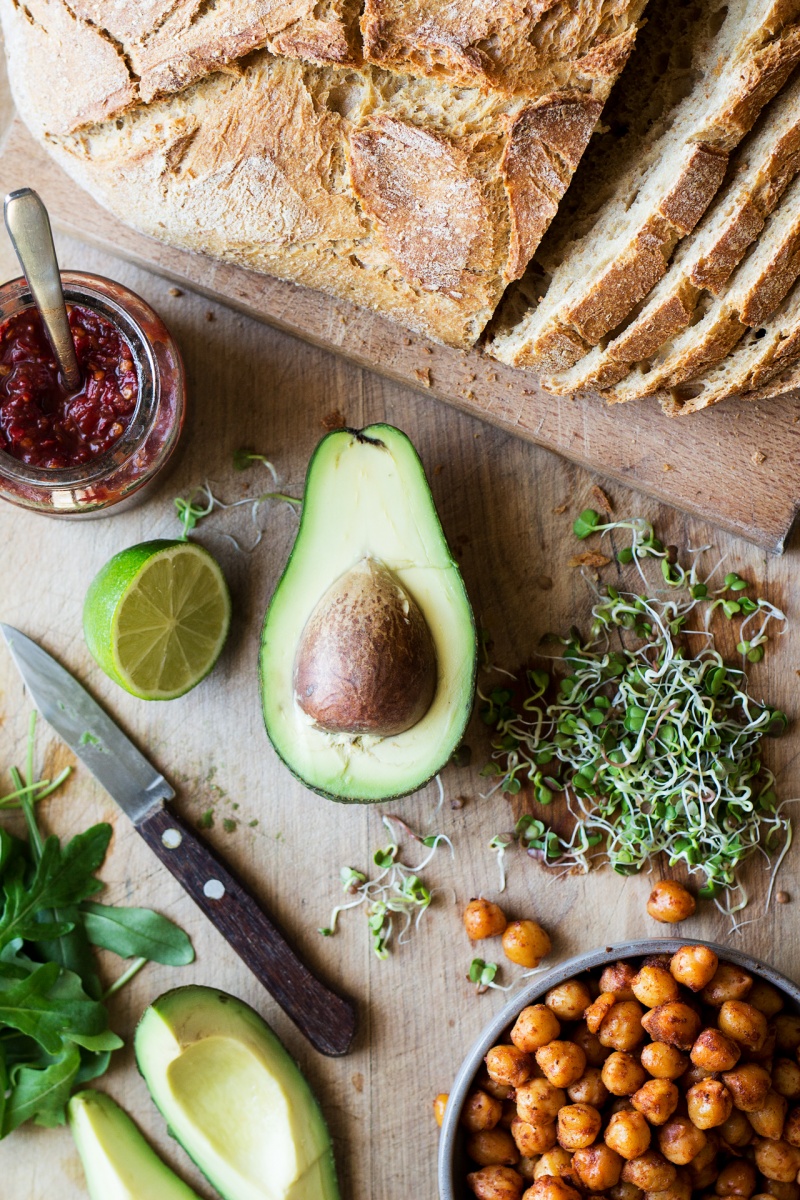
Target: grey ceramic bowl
[(453, 1166)]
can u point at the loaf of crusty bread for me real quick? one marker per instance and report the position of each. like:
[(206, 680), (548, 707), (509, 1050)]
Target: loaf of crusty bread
[(760, 170), (743, 54), (407, 157)]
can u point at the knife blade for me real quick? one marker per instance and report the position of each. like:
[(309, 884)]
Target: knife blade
[(325, 1017)]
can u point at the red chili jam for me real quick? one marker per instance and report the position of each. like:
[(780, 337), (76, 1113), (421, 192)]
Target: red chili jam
[(40, 422)]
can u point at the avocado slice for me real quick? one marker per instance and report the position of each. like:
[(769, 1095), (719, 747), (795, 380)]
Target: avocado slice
[(117, 1161), (368, 521), (234, 1098)]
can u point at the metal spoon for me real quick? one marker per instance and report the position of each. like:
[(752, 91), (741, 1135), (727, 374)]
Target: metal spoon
[(28, 227)]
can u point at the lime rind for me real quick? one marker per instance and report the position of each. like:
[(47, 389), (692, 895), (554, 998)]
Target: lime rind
[(156, 618)]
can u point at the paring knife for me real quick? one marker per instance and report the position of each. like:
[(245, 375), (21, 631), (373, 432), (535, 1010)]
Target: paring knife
[(327, 1019)]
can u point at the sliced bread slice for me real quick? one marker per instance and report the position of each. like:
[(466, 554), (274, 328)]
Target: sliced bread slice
[(751, 294), (762, 356), (762, 168), (666, 189)]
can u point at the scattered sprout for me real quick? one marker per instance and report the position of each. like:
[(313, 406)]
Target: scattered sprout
[(398, 889)]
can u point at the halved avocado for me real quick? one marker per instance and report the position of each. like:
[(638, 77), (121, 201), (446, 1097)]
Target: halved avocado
[(369, 526), (234, 1098), (117, 1161)]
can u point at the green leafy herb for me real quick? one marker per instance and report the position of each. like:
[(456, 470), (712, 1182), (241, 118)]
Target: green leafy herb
[(655, 748), (54, 1025)]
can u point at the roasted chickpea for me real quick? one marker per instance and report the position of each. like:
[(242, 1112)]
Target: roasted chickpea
[(777, 1160), (596, 1053), (598, 1010), (622, 1074), (786, 1078), (728, 983), (490, 1146), (439, 1105), (680, 1189), (589, 1089), (562, 1062), (500, 1091), (749, 1084), (534, 1027), (768, 1121), (551, 1187), (693, 1075), (766, 998), (556, 1162), (675, 1023), (525, 1167), (657, 1100), (694, 966), (508, 1065), (538, 1101), (509, 1112), (713, 1051), (650, 1171), (597, 1167), (787, 1027), (480, 1112), (625, 1191), (766, 1051), (663, 1061), (578, 1126), (737, 1178), (654, 985), (496, 1183), (622, 1026), (680, 1141), (483, 919), (617, 978), (525, 943), (628, 1133), (743, 1023), (709, 1103), (783, 1191), (737, 1130), (670, 902), (791, 1127), (569, 1000), (533, 1139)]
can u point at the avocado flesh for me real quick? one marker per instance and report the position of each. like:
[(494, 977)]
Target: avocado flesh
[(366, 496), (117, 1161), (234, 1098)]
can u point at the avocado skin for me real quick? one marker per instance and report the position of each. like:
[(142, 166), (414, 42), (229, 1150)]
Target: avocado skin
[(371, 435), (184, 1011)]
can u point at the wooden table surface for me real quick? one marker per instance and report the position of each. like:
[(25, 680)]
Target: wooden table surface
[(507, 508)]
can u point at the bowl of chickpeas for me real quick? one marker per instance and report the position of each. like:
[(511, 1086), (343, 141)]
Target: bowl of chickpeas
[(653, 1070)]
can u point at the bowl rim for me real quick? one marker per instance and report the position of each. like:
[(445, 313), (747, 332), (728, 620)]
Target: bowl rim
[(448, 1138)]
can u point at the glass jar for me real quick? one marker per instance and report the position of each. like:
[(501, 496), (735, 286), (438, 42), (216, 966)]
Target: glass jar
[(121, 476)]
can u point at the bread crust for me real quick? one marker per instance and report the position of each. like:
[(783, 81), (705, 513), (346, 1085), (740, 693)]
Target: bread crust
[(252, 130)]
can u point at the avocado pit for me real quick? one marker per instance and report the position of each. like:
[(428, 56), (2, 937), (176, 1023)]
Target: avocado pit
[(366, 662)]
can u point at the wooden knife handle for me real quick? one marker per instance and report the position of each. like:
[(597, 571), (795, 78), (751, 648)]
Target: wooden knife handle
[(327, 1019)]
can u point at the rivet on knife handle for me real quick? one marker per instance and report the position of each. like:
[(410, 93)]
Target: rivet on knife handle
[(327, 1019)]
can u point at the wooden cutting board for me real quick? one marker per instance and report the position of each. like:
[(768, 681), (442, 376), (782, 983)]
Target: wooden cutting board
[(736, 465)]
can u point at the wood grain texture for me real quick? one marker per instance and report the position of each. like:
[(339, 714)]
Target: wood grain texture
[(736, 465), (325, 1018), (507, 509)]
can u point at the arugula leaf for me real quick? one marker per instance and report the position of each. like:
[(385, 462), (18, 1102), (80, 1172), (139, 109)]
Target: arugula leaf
[(41, 1093), (136, 933), (50, 1006), (62, 878)]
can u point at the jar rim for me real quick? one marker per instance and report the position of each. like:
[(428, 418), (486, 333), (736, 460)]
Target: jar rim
[(92, 292)]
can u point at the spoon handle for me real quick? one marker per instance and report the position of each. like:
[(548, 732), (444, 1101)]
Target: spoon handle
[(28, 227)]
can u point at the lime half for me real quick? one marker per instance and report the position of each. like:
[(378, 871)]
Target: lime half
[(156, 618)]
